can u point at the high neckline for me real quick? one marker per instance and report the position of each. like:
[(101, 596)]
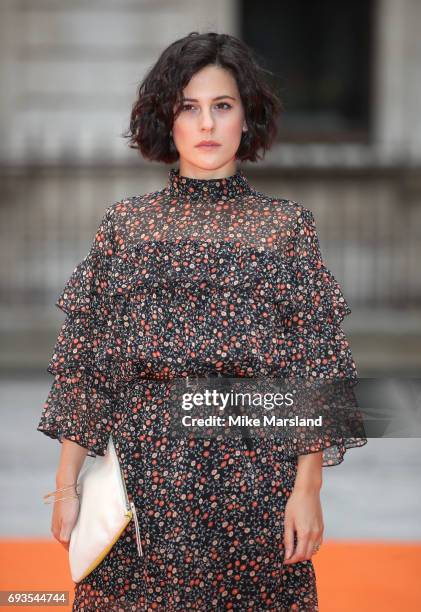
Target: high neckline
[(233, 186)]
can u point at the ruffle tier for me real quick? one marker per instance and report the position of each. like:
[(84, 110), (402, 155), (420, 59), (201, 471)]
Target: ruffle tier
[(313, 342), (198, 264), (107, 317), (80, 403)]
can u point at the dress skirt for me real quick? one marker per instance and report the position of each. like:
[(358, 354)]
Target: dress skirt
[(211, 518)]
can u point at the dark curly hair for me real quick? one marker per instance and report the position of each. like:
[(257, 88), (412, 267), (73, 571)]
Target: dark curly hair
[(161, 91)]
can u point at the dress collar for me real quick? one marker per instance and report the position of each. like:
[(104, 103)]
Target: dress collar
[(233, 186)]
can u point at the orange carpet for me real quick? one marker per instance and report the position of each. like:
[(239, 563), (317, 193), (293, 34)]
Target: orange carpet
[(351, 576)]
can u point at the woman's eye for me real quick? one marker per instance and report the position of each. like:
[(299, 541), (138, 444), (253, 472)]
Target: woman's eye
[(188, 106)]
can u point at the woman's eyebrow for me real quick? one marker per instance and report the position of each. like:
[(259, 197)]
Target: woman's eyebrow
[(217, 98)]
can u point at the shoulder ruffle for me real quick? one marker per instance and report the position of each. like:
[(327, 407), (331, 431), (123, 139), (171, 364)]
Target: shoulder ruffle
[(315, 296), (87, 289)]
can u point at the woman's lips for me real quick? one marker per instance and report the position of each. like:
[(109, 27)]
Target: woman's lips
[(208, 146)]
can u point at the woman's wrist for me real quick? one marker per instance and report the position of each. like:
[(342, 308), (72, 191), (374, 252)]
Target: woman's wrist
[(71, 460), (308, 486), (309, 472), (65, 479)]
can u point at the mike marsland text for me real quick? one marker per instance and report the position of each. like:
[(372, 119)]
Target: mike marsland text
[(246, 421)]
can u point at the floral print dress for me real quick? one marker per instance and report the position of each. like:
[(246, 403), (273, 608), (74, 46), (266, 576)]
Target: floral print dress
[(202, 277)]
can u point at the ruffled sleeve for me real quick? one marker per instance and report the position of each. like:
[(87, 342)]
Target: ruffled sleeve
[(315, 346), (79, 406)]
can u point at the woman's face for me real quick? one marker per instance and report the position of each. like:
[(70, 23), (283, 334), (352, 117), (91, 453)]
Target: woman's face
[(211, 110)]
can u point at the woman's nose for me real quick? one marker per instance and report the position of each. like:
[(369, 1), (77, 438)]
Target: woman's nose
[(206, 120)]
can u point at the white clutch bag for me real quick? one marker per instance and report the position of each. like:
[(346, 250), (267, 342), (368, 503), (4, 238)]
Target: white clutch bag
[(104, 513)]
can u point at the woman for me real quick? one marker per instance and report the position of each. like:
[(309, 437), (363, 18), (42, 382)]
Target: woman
[(206, 276)]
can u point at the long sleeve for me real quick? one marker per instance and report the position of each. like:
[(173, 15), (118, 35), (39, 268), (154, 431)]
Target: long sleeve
[(315, 345), (79, 405)]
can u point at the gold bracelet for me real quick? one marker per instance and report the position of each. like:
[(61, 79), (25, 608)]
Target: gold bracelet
[(61, 489), (61, 498)]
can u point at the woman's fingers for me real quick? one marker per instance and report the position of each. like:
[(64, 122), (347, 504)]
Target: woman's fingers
[(65, 533), (302, 544), (303, 515), (306, 542), (65, 539), (63, 520), (314, 540), (288, 539), (62, 534)]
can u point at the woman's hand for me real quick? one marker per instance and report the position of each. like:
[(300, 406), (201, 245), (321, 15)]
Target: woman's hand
[(64, 517), (303, 514), (65, 512)]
